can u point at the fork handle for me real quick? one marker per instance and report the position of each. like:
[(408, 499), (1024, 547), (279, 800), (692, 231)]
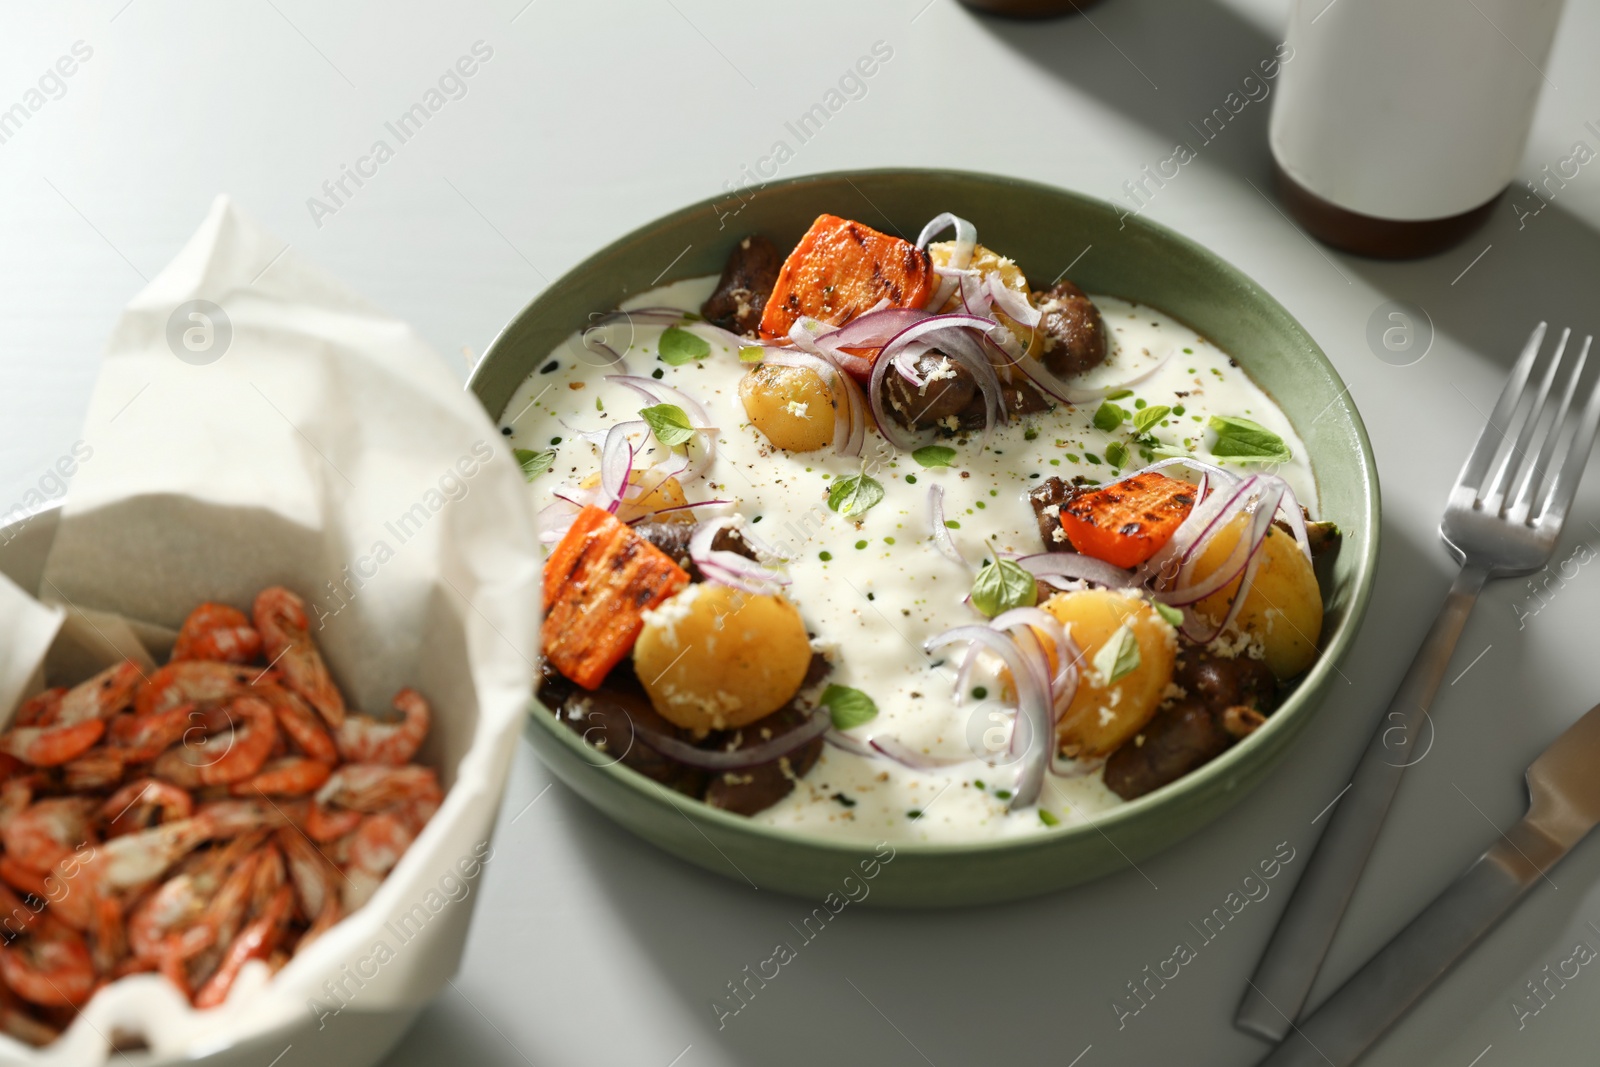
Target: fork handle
[(1283, 978)]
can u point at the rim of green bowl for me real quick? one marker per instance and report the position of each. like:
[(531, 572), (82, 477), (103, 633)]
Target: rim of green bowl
[(1279, 728)]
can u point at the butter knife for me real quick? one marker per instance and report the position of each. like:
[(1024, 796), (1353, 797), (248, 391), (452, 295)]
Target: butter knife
[(1564, 805)]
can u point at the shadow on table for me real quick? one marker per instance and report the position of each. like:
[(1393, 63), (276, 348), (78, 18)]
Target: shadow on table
[(1172, 67)]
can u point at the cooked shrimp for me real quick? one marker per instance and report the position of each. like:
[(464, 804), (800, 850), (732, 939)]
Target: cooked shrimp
[(371, 787), (15, 796), (131, 862), (254, 942), (324, 825), (302, 725), (375, 848), (144, 737), (286, 637), (51, 746), (289, 776), (227, 912), (223, 758), (142, 804), (316, 883), (201, 682), (217, 632), (48, 965), (23, 879), (101, 696), (363, 739), (168, 921), (39, 709), (98, 768), (49, 831)]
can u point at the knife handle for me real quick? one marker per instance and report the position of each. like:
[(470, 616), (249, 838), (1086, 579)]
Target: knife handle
[(1383, 990), (1283, 979)]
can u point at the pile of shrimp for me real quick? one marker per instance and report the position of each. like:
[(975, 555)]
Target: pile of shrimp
[(226, 807)]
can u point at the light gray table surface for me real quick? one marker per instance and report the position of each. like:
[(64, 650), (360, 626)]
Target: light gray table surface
[(589, 119)]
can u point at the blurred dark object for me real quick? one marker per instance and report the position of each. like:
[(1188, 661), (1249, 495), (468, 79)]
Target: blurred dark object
[(1367, 235)]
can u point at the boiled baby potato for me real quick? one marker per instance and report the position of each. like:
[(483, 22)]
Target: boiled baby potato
[(1283, 608), (659, 493), (1103, 713), (989, 262), (793, 406), (715, 658)]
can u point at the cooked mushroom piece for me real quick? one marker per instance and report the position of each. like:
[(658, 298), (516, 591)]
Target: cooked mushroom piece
[(1074, 333), (948, 388), (747, 280)]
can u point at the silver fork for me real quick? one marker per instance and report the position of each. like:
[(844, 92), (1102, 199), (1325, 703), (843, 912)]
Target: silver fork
[(1503, 519)]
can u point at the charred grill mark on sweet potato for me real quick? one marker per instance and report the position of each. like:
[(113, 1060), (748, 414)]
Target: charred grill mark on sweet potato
[(839, 269), (599, 582), (1127, 523)]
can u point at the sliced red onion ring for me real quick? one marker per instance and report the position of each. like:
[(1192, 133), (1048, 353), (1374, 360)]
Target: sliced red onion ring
[(1014, 304), (650, 516), (1058, 567), (960, 256), (1222, 477), (874, 329), (907, 756), (1261, 504), (701, 449), (730, 568), (1031, 728), (941, 533), (1296, 519), (616, 463), (739, 758), (1040, 376), (1195, 626), (844, 741)]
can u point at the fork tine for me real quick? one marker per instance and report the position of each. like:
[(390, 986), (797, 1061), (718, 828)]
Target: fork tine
[(1517, 454), (1565, 484), (1490, 437), (1549, 444)]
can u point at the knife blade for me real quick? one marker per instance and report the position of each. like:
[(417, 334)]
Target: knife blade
[(1563, 806)]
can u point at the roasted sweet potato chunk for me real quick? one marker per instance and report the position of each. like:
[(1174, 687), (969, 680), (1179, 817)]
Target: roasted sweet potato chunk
[(598, 584), (1128, 522), (840, 269)]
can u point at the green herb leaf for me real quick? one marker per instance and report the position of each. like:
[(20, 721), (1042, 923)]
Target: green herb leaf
[(1119, 394), (668, 422), (1145, 418), (534, 463), (679, 346), (1118, 657), (1048, 818), (1163, 451), (1173, 616), (1242, 439), (1116, 454), (751, 353), (849, 707), (934, 455), (1108, 417), (1003, 586), (854, 494)]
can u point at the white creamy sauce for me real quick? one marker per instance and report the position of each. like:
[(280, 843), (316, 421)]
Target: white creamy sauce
[(885, 588)]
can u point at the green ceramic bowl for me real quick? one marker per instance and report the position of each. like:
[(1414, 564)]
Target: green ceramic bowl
[(1044, 229)]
